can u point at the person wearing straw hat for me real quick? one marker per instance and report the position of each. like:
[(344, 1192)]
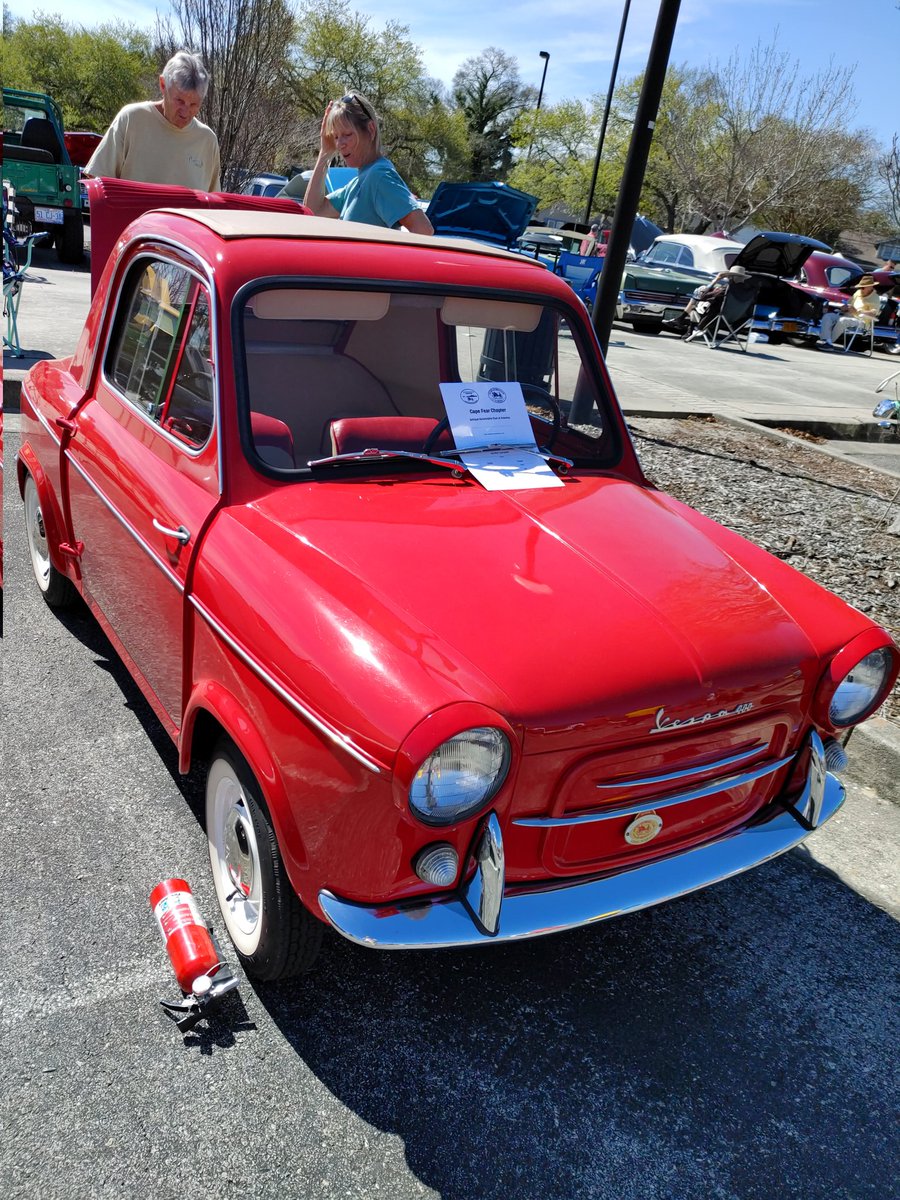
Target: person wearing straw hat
[(864, 307), (376, 195)]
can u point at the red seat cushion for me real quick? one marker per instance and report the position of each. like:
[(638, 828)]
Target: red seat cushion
[(272, 440)]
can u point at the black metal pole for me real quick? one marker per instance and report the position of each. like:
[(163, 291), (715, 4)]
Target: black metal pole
[(545, 55), (635, 166), (603, 123)]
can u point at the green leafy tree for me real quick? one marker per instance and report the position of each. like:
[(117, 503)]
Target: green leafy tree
[(490, 95), (563, 140), (335, 51), (89, 73)]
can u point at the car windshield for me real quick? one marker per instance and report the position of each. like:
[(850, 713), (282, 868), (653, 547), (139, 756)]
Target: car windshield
[(327, 372)]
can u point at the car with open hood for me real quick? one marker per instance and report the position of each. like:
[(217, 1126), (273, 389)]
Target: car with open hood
[(655, 292), (360, 513)]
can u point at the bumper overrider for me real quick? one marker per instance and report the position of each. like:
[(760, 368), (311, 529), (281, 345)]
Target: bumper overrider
[(480, 911)]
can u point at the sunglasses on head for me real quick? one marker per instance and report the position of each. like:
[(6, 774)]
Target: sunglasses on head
[(352, 98)]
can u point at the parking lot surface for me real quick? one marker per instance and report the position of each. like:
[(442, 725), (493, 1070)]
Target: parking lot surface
[(737, 1044)]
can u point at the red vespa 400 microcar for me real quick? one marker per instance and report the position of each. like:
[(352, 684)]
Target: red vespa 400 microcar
[(360, 513)]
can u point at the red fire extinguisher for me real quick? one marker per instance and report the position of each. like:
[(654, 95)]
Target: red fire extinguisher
[(202, 975)]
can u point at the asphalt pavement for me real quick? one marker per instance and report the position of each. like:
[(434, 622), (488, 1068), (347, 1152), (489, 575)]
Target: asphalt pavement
[(738, 1044)]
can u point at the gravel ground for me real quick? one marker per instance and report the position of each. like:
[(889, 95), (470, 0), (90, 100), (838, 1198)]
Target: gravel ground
[(823, 515)]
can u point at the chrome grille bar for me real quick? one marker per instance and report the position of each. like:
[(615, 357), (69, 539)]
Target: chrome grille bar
[(650, 804)]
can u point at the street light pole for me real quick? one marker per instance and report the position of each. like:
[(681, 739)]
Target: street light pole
[(545, 55), (609, 99), (633, 175)]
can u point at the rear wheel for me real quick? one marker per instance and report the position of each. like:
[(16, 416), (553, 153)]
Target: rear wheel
[(56, 589), (274, 935), (70, 243)]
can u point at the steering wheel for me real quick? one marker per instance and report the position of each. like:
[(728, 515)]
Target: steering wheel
[(533, 393)]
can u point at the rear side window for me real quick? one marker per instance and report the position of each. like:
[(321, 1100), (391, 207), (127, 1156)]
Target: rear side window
[(160, 357)]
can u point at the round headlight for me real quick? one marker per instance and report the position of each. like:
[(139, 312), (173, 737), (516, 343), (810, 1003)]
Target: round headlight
[(460, 776), (861, 688)]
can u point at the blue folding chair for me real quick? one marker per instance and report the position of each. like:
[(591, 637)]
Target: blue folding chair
[(14, 275), (580, 271)]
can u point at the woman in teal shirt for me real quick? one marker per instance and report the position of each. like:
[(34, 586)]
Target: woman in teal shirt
[(377, 195)]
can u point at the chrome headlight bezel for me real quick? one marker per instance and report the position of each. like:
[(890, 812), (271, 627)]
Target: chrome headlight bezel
[(460, 776), (861, 688)]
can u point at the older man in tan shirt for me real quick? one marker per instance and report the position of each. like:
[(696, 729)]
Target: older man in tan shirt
[(162, 141)]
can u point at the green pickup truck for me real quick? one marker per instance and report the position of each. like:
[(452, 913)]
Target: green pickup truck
[(37, 165)]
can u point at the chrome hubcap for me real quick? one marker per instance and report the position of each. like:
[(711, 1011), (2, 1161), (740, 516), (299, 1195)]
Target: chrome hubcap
[(238, 857)]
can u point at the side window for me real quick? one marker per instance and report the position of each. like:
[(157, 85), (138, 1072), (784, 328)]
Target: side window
[(686, 257), (161, 357), (838, 276)]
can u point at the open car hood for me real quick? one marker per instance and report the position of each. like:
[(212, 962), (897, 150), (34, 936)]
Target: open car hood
[(490, 212), (779, 254)]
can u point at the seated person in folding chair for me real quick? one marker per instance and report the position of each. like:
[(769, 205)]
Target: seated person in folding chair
[(707, 295), (863, 310), (728, 311)]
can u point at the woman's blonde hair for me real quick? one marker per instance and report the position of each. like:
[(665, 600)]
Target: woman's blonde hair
[(356, 109)]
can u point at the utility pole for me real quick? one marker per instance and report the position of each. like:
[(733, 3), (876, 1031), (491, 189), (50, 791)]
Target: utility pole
[(545, 55), (609, 97), (635, 167)]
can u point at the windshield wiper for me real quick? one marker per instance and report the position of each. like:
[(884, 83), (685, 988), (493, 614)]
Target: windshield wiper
[(373, 454), (529, 447)]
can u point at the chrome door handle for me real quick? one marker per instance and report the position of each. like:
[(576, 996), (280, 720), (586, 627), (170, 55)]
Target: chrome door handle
[(179, 535)]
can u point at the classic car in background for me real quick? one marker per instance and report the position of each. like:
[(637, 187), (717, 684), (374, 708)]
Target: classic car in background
[(654, 292), (830, 280), (658, 284), (361, 515)]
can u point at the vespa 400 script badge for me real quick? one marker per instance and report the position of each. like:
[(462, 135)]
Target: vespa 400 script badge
[(643, 828)]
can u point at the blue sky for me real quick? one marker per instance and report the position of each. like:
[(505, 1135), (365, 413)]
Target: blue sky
[(581, 38)]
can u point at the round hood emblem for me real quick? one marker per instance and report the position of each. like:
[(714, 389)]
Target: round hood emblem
[(643, 828)]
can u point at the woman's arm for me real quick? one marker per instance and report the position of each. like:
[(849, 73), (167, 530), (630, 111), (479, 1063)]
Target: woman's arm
[(416, 222), (315, 198)]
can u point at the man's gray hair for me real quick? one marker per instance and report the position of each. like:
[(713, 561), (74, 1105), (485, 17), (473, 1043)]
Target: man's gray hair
[(186, 72)]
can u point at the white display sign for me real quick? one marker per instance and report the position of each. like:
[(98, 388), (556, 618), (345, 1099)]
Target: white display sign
[(493, 420)]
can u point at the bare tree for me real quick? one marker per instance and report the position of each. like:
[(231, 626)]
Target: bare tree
[(889, 171), (753, 136), (244, 44)]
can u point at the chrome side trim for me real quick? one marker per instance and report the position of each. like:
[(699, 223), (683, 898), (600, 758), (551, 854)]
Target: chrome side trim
[(448, 921), (713, 766), (307, 714), (148, 550), (650, 805)]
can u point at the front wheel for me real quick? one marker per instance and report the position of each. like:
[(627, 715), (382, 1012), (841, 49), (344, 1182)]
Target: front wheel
[(274, 935), (56, 589)]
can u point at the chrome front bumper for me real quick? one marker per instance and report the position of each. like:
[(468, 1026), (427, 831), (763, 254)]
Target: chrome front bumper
[(481, 911)]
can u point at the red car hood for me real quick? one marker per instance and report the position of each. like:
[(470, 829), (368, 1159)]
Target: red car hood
[(570, 608)]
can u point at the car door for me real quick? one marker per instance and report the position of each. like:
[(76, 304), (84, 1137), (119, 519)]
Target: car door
[(142, 466)]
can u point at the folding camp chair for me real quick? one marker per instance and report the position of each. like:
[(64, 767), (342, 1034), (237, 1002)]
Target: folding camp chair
[(858, 329), (730, 319), (14, 275), (580, 271)]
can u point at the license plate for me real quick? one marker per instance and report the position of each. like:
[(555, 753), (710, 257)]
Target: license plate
[(49, 216), (672, 314), (788, 326)]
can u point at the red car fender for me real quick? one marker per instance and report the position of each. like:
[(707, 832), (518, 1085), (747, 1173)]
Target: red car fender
[(54, 523), (211, 698)]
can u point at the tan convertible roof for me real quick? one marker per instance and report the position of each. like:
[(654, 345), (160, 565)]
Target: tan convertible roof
[(244, 223)]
